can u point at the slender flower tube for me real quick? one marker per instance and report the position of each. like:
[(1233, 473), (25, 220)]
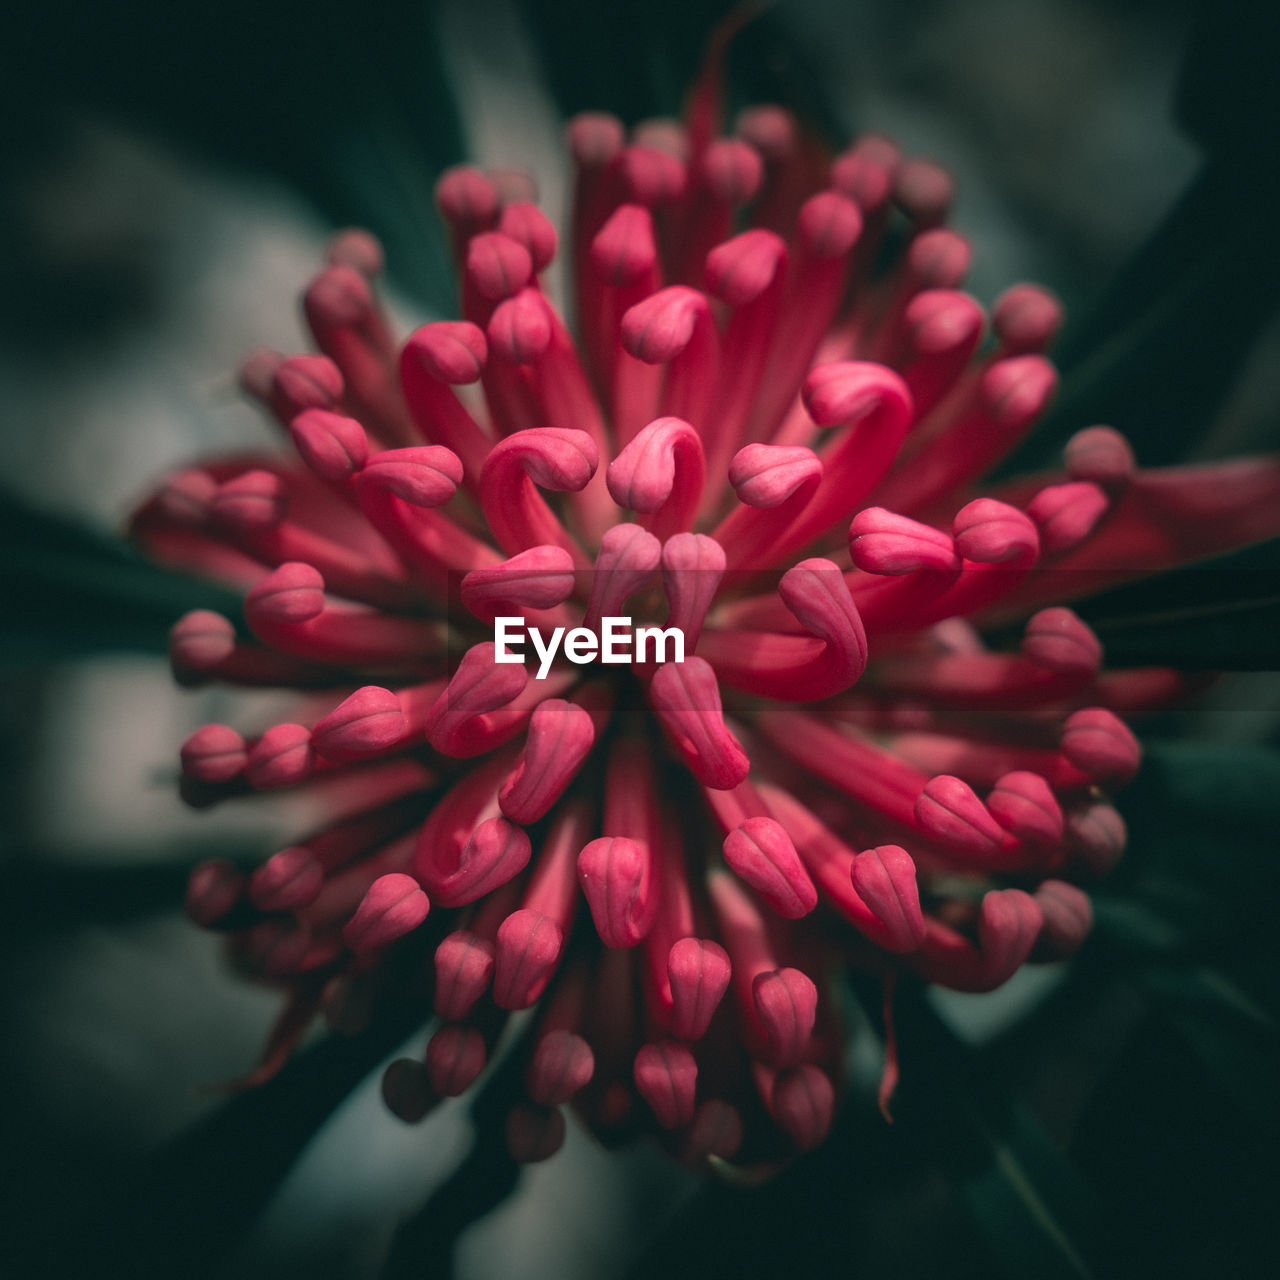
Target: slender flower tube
[(757, 449)]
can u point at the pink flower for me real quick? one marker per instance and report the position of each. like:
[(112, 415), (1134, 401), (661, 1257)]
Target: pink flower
[(762, 437)]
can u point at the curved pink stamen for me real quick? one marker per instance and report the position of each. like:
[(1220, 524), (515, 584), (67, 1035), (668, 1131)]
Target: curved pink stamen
[(556, 458), (674, 327), (433, 360), (793, 667), (774, 483), (685, 697), (660, 473), (539, 578), (480, 685), (628, 556), (873, 406), (692, 568), (560, 737)]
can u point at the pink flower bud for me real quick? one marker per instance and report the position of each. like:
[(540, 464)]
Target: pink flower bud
[(1101, 745), (213, 890), (498, 266), (287, 880), (452, 351), (291, 594), (393, 906), (949, 812), (1058, 640), (214, 753), (881, 542), (424, 476), (528, 949), (661, 326), (803, 1104), (456, 1055), (786, 1001), (519, 330), (615, 875), (698, 971), (333, 447), (282, 757), (741, 269), (667, 1077), (1023, 804), (761, 852), (370, 720), (885, 879), (561, 1065), (766, 475), (464, 967), (1068, 918)]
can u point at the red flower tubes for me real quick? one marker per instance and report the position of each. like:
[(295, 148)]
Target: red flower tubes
[(765, 437)]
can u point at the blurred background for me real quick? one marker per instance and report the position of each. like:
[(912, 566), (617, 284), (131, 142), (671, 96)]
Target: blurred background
[(170, 176)]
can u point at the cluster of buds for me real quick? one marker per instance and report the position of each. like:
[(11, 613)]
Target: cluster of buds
[(765, 435)]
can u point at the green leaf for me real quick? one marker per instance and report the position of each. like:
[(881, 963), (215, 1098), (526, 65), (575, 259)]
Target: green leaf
[(1221, 614), (1236, 1041), (608, 58), (59, 895), (1159, 354), (483, 1180), (1231, 786), (204, 1191), (1029, 1202), (351, 108), (72, 590)]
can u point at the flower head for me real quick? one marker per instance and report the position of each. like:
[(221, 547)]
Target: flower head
[(763, 441)]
